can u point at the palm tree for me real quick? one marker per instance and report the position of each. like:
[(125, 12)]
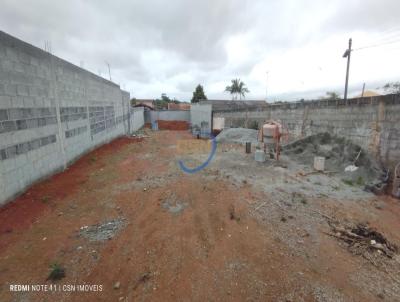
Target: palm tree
[(238, 88)]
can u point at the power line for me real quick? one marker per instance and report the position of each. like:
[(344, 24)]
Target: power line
[(389, 36), (377, 45)]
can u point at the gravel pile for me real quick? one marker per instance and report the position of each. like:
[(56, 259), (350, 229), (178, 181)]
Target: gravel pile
[(338, 153), (237, 136)]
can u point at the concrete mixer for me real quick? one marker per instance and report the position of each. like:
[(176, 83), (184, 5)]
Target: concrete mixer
[(269, 136)]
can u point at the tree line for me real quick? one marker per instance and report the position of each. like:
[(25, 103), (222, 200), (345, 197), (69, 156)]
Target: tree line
[(238, 89)]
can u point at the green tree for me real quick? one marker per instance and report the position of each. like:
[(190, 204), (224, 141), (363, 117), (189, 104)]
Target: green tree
[(332, 95), (162, 103), (392, 87), (237, 88), (198, 94)]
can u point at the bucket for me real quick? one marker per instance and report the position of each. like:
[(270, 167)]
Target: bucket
[(154, 125), (319, 163), (248, 147), (259, 156)]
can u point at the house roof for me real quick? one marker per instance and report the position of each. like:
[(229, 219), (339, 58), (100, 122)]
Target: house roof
[(368, 93), (144, 103), (180, 106)]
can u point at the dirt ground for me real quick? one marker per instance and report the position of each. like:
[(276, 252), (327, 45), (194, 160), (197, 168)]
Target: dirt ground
[(126, 218)]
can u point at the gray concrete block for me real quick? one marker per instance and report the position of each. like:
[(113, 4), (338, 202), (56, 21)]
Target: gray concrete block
[(22, 90), (3, 154), (15, 113), (19, 67), (21, 124), (29, 101), (19, 78), (3, 114), (23, 57), (5, 101), (8, 126), (12, 54), (6, 65), (32, 123), (34, 61), (10, 89), (11, 151)]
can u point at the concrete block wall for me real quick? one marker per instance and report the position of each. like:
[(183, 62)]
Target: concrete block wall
[(51, 112), (201, 119), (168, 115), (373, 123), (137, 118)]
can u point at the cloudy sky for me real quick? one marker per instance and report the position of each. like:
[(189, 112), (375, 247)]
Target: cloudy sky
[(287, 49)]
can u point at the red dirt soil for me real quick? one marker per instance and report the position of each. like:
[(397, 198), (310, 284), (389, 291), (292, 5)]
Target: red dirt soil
[(21, 213)]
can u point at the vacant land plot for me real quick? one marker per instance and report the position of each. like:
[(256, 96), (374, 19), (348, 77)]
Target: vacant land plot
[(127, 218)]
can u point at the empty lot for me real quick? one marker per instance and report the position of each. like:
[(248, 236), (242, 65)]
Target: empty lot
[(126, 217)]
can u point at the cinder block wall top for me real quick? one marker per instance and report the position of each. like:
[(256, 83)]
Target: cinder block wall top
[(51, 112)]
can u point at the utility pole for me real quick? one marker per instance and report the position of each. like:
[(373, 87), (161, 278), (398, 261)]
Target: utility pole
[(347, 55), (363, 90)]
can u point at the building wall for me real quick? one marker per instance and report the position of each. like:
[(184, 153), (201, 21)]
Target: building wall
[(51, 112), (373, 123)]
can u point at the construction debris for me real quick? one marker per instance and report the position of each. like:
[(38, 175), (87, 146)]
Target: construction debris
[(173, 204), (351, 168), (339, 154), (117, 285), (363, 240), (103, 231), (141, 133)]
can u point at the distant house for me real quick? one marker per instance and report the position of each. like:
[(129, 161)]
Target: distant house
[(367, 94), (180, 106), (147, 103)]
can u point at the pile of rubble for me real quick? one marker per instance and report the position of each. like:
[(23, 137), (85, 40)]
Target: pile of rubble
[(339, 154)]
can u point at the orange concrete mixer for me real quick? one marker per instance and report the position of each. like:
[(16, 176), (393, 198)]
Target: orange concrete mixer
[(270, 135)]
